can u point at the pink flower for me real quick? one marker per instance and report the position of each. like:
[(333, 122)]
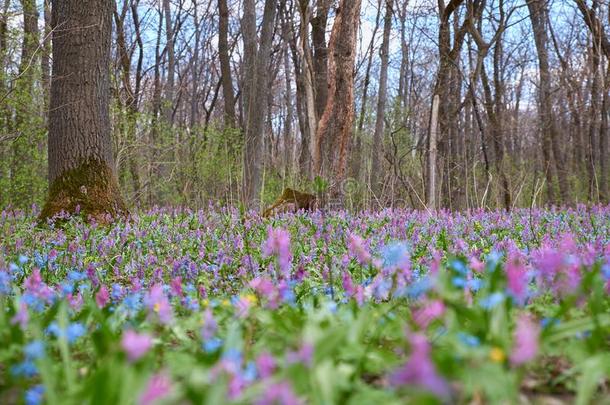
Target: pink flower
[(357, 249), (176, 286), (516, 278), (157, 303), (278, 244), (279, 393), (429, 312), (102, 297), (159, 386), (135, 345), (21, 317), (476, 265), (304, 355), (526, 337), (265, 364), (420, 370)]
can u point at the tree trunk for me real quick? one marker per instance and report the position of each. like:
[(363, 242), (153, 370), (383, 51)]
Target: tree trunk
[(257, 82), (46, 56), (550, 146), (376, 175), (81, 166), (25, 110), (320, 55), (171, 64), (431, 185), (225, 65), (335, 128)]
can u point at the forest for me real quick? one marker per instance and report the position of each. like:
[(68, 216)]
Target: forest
[(225, 101), (290, 202)]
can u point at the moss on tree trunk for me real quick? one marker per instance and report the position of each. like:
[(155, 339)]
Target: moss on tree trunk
[(91, 189)]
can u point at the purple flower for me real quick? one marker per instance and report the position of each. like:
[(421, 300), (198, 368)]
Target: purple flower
[(279, 393), (526, 337), (135, 345), (357, 249), (265, 364), (102, 297), (21, 317), (516, 279), (304, 355), (278, 244), (157, 303), (428, 312), (420, 370), (159, 386)]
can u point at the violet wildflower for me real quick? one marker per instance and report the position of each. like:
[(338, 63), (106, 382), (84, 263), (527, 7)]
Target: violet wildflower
[(157, 303), (265, 364), (420, 370), (357, 249), (278, 244), (159, 386), (102, 297), (428, 312), (21, 317), (135, 345), (526, 337), (280, 394), (516, 279)]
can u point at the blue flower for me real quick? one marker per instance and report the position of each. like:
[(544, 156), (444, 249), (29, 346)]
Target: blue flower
[(395, 254), (34, 395), (75, 331), (212, 345), (13, 268), (606, 271), (23, 259), (469, 340), (71, 333), (548, 322), (34, 350), (249, 374), (419, 288), (76, 276), (459, 282), (459, 266), (5, 283), (25, 369), (492, 260), (491, 301)]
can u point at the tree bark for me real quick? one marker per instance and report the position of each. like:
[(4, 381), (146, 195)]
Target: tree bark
[(81, 165), (550, 145), (171, 64), (225, 65), (257, 81), (376, 175), (320, 55), (335, 128)]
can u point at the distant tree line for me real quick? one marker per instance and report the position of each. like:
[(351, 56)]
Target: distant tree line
[(452, 104)]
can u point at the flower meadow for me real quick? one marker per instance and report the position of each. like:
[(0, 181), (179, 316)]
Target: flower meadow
[(388, 307)]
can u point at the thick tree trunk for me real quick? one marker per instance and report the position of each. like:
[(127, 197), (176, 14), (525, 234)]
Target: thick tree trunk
[(335, 128), (81, 166), (225, 65), (376, 174)]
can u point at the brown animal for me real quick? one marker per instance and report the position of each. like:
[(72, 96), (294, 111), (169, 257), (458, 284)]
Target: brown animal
[(291, 201)]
